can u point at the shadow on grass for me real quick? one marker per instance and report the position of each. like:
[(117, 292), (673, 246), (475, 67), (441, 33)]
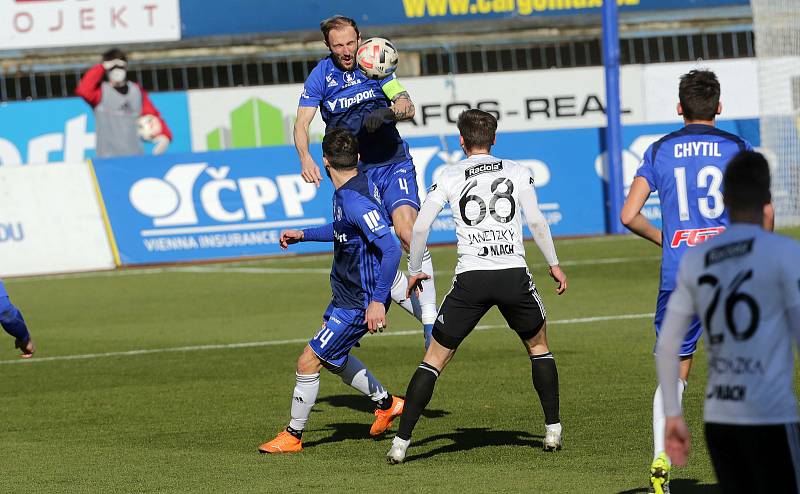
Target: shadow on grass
[(356, 430), (687, 486), (464, 439), (361, 403)]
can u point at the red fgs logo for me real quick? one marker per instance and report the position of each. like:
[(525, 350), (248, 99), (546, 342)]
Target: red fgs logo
[(695, 236)]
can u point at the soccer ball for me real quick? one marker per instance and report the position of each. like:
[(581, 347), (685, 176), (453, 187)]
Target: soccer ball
[(148, 127), (377, 58)]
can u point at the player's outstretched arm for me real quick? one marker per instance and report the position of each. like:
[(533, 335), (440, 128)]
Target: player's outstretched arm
[(310, 170), (540, 230), (419, 239), (319, 234), (631, 215)]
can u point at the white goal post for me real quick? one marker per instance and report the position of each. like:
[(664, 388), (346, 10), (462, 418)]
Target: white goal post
[(777, 33)]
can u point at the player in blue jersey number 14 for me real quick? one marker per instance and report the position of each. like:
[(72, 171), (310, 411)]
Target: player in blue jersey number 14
[(365, 259), (685, 168), (370, 110)]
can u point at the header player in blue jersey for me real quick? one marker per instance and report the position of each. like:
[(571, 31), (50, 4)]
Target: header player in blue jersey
[(13, 323), (370, 110), (365, 259), (686, 169)]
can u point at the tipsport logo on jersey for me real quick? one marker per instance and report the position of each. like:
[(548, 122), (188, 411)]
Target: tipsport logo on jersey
[(207, 206)]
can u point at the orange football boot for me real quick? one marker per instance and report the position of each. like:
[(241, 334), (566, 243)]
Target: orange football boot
[(283, 443), (384, 418)]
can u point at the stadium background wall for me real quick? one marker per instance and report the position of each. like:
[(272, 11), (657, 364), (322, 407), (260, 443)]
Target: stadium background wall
[(232, 195)]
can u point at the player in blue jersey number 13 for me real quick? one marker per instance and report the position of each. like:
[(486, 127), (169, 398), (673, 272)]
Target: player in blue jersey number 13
[(365, 259), (685, 168), (12, 322), (370, 110)]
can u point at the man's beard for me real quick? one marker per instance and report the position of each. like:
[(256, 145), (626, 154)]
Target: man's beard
[(341, 66)]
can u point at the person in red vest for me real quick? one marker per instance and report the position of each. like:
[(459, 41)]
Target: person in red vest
[(124, 114)]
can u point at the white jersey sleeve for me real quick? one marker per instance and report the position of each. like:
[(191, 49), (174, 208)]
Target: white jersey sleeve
[(677, 320), (422, 227), (537, 223)]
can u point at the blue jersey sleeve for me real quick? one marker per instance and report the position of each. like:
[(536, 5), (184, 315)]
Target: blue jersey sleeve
[(647, 170), (322, 233), (314, 88), (367, 217), (390, 260)]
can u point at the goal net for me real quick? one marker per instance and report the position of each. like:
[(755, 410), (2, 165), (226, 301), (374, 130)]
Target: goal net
[(777, 32)]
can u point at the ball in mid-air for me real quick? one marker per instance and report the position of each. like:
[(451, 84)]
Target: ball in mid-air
[(377, 58)]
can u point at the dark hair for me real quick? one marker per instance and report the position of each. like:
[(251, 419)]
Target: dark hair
[(114, 54), (746, 182), (336, 22), (699, 95), (340, 148), (478, 128)]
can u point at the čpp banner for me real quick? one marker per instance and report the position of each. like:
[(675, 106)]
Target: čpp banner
[(215, 205)]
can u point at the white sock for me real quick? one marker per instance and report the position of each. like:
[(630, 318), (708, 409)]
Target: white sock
[(303, 399), (554, 427), (399, 288), (356, 374), (400, 442), (427, 298), (659, 421)]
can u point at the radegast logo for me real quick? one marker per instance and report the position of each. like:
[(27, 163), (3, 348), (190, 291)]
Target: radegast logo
[(483, 168), (11, 232), (196, 205)]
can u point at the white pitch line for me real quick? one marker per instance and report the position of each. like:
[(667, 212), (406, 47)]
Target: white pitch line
[(253, 344)]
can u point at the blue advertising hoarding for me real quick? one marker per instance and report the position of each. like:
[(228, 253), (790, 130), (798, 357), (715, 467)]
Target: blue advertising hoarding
[(56, 130), (229, 204), (269, 16)]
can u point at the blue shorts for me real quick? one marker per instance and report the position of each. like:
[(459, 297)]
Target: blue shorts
[(341, 330), (3, 292), (689, 345), (397, 184)]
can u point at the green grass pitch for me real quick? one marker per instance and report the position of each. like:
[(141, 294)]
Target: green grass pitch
[(180, 373)]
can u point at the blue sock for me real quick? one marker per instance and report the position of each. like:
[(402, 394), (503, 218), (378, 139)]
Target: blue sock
[(427, 329), (12, 321)]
